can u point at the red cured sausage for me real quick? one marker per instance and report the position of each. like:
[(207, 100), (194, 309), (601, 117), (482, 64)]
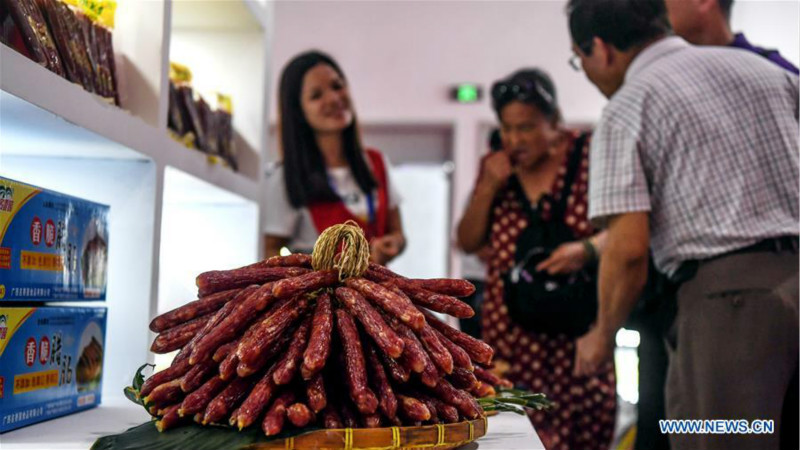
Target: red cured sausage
[(371, 320), (293, 260), (460, 356), (464, 403), (299, 414), (380, 383), (479, 351), (219, 280), (275, 416), (437, 351), (265, 333), (391, 302), (257, 400), (197, 401), (463, 379), (191, 310), (169, 419), (176, 370), (249, 301), (412, 409), (437, 302), (225, 401), (319, 343), (355, 366), (315, 391), (493, 380), (303, 284), (197, 375), (446, 286), (331, 418), (286, 367), (165, 394)]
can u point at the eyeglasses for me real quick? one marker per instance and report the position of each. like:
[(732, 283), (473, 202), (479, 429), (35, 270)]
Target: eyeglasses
[(520, 90), (575, 62)]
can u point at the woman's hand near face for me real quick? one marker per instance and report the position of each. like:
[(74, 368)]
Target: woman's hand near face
[(496, 171), (567, 258)]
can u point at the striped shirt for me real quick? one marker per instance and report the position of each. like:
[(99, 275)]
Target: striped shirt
[(706, 140)]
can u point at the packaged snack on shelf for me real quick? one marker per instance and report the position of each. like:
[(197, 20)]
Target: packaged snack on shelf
[(208, 121), (68, 35), (176, 120), (225, 145), (203, 123), (38, 41), (51, 362), (188, 104), (105, 68), (53, 247)]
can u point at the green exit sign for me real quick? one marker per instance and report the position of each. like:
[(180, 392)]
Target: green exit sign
[(466, 93)]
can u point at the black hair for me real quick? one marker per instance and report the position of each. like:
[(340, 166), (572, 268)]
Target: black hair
[(303, 164), (625, 24), (530, 86), (495, 140), (725, 6)]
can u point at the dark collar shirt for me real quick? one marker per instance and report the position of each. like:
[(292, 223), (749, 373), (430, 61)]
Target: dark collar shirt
[(739, 41), (705, 139)]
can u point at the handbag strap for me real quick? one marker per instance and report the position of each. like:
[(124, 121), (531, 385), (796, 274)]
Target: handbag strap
[(573, 164)]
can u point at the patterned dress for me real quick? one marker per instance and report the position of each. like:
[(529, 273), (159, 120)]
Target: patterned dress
[(585, 407)]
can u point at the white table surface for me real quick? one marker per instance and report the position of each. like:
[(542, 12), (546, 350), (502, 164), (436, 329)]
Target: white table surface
[(507, 431)]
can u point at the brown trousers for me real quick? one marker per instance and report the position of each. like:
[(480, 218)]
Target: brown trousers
[(733, 347)]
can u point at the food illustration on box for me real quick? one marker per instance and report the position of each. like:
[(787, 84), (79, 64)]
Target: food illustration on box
[(50, 362), (329, 341), (90, 362), (52, 246)]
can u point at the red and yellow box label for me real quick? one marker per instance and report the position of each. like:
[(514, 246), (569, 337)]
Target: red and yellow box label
[(5, 258), (35, 381), (41, 261)]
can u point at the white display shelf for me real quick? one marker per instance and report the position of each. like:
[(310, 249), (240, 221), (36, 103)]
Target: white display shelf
[(507, 431), (35, 85), (56, 135), (46, 115)]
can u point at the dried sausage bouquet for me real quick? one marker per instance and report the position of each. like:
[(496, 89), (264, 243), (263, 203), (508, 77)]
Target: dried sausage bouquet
[(327, 339)]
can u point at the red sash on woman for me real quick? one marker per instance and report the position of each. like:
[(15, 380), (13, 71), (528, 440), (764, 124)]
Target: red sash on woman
[(326, 214)]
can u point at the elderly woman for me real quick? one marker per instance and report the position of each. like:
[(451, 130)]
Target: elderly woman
[(520, 191)]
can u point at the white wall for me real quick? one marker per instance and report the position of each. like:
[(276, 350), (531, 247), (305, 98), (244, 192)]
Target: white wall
[(401, 57), (771, 24), (426, 254)]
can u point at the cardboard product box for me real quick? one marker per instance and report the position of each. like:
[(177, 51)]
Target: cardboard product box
[(52, 246), (51, 362)]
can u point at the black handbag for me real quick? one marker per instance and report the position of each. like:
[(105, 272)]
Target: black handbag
[(537, 301)]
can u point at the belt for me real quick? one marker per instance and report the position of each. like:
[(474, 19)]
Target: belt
[(687, 270)]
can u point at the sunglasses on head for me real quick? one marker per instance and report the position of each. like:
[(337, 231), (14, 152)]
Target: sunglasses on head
[(522, 90)]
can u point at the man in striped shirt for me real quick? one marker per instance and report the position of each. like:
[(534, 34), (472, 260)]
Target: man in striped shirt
[(696, 156)]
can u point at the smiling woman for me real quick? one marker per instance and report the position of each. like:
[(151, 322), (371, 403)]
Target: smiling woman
[(326, 176)]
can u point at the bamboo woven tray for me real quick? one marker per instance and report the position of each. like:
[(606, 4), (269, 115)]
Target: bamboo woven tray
[(437, 437)]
